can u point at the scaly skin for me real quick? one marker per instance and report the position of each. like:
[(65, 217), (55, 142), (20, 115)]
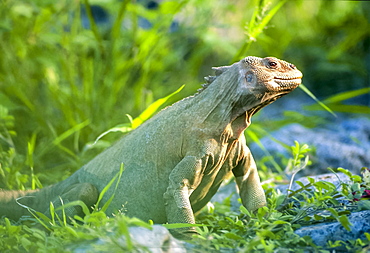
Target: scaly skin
[(175, 162)]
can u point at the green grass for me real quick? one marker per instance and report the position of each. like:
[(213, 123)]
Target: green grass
[(63, 85), (219, 227)]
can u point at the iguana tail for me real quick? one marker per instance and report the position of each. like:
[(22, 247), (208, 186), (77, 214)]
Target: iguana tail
[(15, 204), (11, 203)]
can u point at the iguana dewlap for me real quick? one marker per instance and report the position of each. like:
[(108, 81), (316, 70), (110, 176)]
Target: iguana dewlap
[(175, 162)]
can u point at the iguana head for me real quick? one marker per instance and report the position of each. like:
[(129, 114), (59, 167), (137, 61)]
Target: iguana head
[(249, 85), (270, 75), (256, 82), (269, 78)]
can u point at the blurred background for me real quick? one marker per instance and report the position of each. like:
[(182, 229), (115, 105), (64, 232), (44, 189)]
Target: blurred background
[(70, 70)]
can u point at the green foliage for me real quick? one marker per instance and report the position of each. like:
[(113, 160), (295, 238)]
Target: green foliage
[(267, 230), (11, 178), (64, 84), (319, 103), (60, 238), (321, 200), (296, 164), (117, 178), (336, 102), (259, 21), (146, 114), (272, 228)]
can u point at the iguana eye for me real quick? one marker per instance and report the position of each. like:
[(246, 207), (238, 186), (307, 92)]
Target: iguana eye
[(249, 78), (272, 64)]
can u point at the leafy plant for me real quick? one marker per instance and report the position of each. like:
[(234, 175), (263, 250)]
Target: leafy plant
[(272, 227), (258, 22), (64, 83), (146, 114), (296, 164)]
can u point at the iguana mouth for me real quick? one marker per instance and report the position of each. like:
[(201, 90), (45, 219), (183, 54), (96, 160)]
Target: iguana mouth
[(286, 83), (278, 87)]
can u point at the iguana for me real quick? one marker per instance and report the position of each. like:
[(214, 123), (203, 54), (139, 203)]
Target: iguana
[(175, 162)]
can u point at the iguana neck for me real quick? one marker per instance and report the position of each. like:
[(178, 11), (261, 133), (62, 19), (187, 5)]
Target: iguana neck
[(220, 108)]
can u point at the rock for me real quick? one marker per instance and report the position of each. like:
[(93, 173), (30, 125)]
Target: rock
[(344, 143), (157, 240), (321, 234)]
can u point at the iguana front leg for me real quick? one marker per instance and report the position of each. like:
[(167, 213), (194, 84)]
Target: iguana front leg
[(182, 181), (250, 189)]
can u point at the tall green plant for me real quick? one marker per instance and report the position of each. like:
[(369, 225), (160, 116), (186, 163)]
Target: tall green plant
[(258, 22), (65, 83)]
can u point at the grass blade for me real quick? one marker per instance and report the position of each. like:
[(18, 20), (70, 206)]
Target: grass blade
[(309, 93), (147, 113), (346, 95), (106, 188)]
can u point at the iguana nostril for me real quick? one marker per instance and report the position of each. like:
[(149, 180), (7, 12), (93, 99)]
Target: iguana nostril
[(292, 66)]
